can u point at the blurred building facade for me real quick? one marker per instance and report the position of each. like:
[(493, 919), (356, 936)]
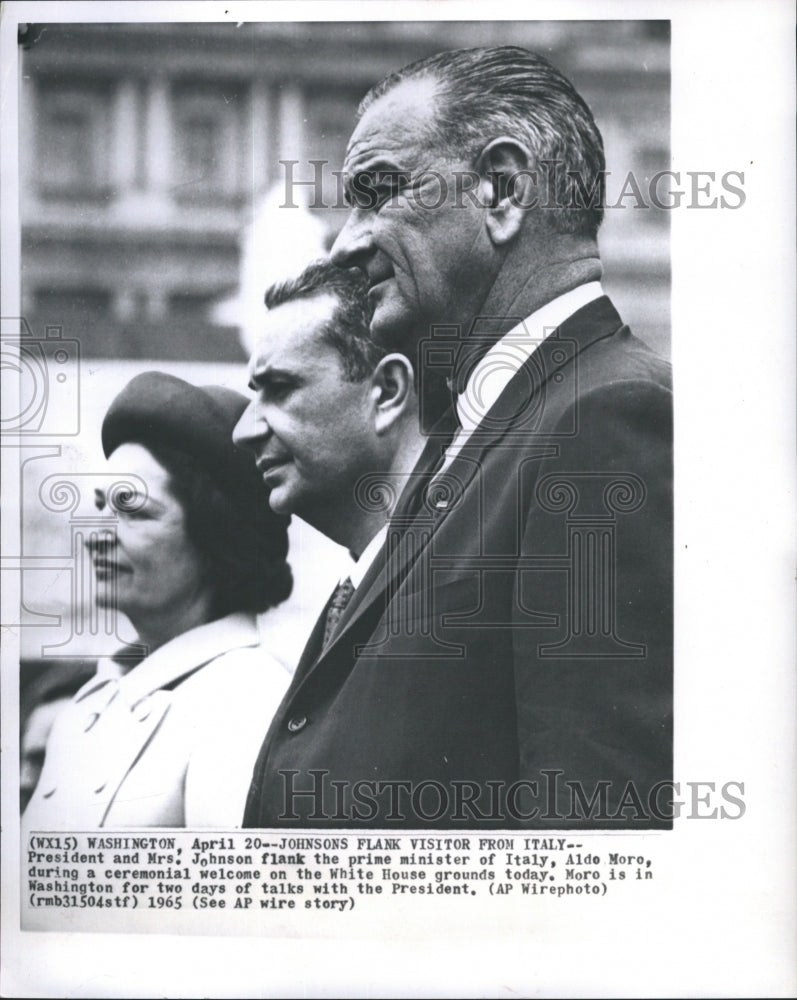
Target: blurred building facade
[(151, 187), (145, 150)]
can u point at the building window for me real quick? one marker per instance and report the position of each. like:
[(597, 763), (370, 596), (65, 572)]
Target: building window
[(68, 304), (73, 140), (201, 141), (330, 113), (208, 138), (192, 305)]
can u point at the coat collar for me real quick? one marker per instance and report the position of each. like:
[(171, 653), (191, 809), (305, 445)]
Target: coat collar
[(514, 414), (179, 656)]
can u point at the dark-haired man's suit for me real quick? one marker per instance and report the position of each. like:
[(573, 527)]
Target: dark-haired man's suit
[(521, 631)]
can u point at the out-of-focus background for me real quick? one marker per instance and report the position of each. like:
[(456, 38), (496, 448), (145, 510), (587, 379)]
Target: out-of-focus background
[(148, 148), (154, 214)]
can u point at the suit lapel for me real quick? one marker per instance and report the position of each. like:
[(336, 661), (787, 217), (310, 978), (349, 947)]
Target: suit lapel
[(406, 512), (515, 411), (313, 647), (409, 508), (520, 409), (518, 414)]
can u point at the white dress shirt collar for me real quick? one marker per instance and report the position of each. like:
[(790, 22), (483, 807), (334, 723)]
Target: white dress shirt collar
[(359, 567), (493, 373)]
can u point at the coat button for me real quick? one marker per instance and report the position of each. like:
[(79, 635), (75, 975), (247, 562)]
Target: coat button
[(297, 724)]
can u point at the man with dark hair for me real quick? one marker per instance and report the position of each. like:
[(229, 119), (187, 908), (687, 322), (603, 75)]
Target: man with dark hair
[(333, 407), (511, 91), (333, 427), (516, 668), (348, 333)]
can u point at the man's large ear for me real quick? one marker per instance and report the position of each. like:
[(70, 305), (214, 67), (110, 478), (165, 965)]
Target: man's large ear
[(392, 391), (509, 182)]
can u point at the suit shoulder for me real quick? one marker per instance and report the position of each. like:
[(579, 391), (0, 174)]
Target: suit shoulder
[(618, 380), (622, 358)]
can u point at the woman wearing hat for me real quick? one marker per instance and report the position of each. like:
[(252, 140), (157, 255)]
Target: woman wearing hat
[(192, 554)]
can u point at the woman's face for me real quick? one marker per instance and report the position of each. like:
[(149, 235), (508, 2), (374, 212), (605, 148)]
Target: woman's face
[(148, 566)]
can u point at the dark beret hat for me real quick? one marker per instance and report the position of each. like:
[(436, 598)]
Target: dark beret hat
[(157, 408)]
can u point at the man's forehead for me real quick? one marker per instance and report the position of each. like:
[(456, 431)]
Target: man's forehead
[(290, 328), (396, 119)]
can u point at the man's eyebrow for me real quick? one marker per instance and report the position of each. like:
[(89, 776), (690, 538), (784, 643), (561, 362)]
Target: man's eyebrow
[(263, 375), (378, 168)]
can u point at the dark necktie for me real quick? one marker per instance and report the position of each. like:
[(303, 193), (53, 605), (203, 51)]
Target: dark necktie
[(341, 596)]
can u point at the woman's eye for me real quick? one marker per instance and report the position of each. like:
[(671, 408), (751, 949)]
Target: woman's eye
[(139, 514), (129, 504)]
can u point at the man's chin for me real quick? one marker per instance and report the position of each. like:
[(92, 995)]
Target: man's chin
[(280, 502), (395, 326), (106, 595), (111, 605)]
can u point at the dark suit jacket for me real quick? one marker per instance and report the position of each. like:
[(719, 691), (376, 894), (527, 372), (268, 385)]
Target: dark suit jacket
[(509, 661)]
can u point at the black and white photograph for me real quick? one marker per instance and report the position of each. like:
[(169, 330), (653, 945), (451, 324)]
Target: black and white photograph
[(376, 563), (504, 634)]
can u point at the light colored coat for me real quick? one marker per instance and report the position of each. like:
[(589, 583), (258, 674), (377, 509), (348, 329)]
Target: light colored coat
[(127, 753)]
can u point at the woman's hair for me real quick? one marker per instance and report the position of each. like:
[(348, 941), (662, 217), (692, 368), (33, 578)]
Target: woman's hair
[(242, 544)]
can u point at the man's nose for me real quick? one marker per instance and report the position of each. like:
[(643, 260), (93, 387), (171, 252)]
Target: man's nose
[(250, 427), (353, 244)]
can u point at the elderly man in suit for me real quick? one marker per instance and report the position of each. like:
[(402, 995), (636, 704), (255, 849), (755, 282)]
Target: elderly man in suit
[(508, 660)]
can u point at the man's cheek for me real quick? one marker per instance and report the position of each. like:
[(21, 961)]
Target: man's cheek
[(399, 293)]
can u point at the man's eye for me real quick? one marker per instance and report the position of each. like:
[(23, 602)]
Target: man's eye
[(365, 200), (390, 187), (369, 192), (277, 390)]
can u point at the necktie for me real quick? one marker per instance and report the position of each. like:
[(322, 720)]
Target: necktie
[(341, 596)]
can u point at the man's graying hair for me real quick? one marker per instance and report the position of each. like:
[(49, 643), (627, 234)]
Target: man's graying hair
[(507, 90), (348, 330)]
